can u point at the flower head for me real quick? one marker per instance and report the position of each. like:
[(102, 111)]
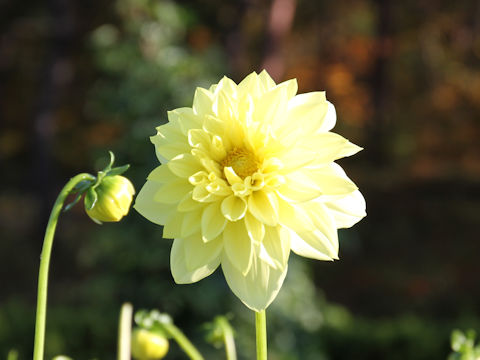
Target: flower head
[(147, 345), (247, 175), (112, 199)]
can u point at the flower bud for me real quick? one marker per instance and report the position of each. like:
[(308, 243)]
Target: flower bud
[(110, 200), (147, 345)]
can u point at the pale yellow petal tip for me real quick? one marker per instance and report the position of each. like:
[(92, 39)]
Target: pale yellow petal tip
[(348, 149)]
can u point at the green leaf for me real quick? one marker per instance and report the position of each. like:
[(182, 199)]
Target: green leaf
[(91, 198), (112, 160), (82, 186), (73, 203), (118, 170)]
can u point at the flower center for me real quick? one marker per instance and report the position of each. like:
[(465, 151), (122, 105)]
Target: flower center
[(242, 161)]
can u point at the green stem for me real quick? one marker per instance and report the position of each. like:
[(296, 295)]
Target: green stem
[(182, 341), (261, 330), (229, 341), (45, 262)]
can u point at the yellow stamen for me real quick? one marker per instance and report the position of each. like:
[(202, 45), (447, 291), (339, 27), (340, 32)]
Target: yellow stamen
[(242, 161)]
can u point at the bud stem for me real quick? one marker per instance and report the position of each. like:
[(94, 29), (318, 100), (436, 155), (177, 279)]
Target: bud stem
[(228, 339), (39, 345), (261, 330), (125, 332), (182, 341)]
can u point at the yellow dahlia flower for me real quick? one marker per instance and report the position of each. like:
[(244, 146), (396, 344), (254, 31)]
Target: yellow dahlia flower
[(247, 175)]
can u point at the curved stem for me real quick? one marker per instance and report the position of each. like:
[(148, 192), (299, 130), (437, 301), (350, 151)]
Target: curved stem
[(182, 341), (229, 342), (45, 262), (261, 330)]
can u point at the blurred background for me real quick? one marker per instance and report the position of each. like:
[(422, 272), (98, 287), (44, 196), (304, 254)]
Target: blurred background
[(79, 78)]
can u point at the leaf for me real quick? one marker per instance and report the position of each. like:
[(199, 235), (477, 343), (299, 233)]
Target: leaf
[(112, 160), (72, 204), (118, 170), (91, 198)]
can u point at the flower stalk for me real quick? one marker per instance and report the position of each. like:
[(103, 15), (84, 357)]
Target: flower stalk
[(39, 345), (182, 341), (221, 332), (261, 331), (229, 340), (124, 332)]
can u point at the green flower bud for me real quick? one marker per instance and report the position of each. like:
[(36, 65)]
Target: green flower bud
[(109, 200), (147, 345)]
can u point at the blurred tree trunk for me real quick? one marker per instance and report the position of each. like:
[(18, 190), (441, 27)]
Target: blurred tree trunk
[(55, 80), (377, 128), (282, 13), (236, 42)]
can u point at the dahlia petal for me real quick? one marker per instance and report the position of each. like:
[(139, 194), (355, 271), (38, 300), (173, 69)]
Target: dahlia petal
[(331, 181), (223, 106), (333, 146), (296, 158), (306, 113), (272, 106), (348, 210), (291, 86), (173, 226), (318, 241), (294, 217), (217, 148), (184, 165), (214, 126), (231, 176), (219, 187), (302, 248), (201, 194), (185, 118), (161, 174), (179, 270), (330, 118), (266, 81), (213, 222), (173, 192), (234, 207), (153, 211), (275, 247), (202, 102), (207, 162), (241, 190), (249, 86), (188, 204), (226, 86), (199, 138), (299, 187), (198, 253), (255, 228), (237, 245), (264, 206), (349, 149), (259, 287), (191, 222), (324, 223), (169, 142)]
